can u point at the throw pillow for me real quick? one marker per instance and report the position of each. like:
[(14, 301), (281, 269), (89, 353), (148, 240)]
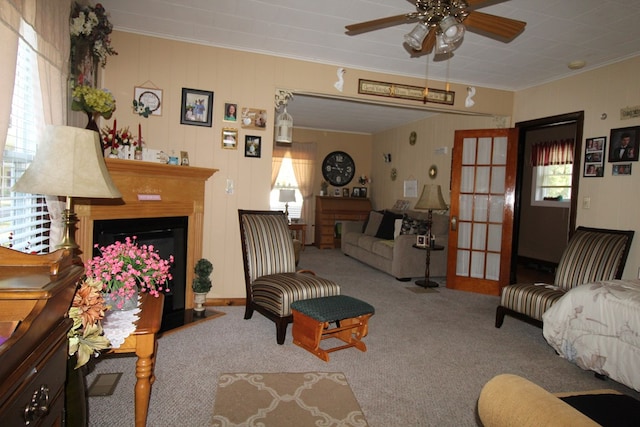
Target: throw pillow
[(373, 223), (607, 409), (412, 225), (387, 226)]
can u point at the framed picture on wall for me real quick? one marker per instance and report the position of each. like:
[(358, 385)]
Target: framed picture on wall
[(196, 108), (624, 144), (252, 146), (594, 151), (230, 138), (230, 112)]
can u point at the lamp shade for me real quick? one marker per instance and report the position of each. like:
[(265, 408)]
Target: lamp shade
[(69, 162), (431, 198), (287, 196)]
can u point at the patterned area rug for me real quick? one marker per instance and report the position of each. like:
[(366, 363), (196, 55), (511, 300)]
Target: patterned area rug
[(286, 400)]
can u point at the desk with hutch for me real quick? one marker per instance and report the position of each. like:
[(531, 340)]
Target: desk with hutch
[(36, 292), (333, 210)]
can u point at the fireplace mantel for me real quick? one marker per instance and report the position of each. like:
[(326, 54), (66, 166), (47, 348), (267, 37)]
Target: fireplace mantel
[(150, 190)]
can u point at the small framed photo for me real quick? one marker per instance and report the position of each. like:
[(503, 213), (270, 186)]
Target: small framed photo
[(196, 108), (253, 118), (622, 169), (146, 97), (230, 138), (345, 192), (421, 240), (230, 112), (184, 158), (355, 192), (252, 145), (363, 192), (624, 144), (337, 192), (594, 157)]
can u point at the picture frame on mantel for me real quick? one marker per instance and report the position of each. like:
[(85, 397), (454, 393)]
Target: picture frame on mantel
[(196, 108)]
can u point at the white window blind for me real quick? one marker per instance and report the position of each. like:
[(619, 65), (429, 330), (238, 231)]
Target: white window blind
[(25, 221), (286, 180)]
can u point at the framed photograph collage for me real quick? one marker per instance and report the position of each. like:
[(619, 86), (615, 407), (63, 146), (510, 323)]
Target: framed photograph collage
[(622, 150)]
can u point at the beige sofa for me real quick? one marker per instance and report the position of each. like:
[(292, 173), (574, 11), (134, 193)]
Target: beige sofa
[(397, 256)]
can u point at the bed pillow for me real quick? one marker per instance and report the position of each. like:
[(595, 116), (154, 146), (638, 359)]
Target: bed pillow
[(387, 226), (373, 223)]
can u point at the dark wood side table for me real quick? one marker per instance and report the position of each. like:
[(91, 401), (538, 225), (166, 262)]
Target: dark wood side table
[(426, 283)]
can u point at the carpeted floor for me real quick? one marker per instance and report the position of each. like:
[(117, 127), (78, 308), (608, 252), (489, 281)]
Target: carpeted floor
[(428, 355), (286, 400)]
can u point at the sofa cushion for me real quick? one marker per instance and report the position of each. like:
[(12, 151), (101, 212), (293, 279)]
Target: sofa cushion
[(366, 242), (373, 223), (384, 248), (387, 226)]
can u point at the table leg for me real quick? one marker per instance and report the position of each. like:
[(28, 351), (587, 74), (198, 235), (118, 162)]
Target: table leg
[(145, 350)]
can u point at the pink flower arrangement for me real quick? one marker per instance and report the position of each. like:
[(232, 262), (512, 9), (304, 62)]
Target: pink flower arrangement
[(125, 268)]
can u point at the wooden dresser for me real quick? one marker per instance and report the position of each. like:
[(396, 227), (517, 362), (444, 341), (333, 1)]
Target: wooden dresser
[(331, 211), (36, 292)]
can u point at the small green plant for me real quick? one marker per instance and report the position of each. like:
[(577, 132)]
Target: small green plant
[(202, 282)]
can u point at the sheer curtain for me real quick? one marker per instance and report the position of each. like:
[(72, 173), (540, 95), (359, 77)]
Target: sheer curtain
[(279, 153), (303, 160)]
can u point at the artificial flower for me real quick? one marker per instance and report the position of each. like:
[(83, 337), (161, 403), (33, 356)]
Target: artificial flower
[(120, 138), (363, 180), (93, 101), (90, 27), (125, 268), (86, 336)]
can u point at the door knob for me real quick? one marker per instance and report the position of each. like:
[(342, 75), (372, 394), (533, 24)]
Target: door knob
[(454, 223)]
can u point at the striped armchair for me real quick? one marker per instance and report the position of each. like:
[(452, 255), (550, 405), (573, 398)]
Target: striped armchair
[(592, 254), (272, 282)]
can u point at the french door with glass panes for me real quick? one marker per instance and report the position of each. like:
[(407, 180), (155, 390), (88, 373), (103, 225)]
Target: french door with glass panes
[(483, 176)]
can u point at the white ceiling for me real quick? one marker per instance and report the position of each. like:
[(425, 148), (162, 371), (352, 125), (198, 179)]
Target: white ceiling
[(598, 32)]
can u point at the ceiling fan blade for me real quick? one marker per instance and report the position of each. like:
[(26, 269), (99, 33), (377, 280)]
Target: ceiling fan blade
[(477, 4), (503, 28), (377, 24)]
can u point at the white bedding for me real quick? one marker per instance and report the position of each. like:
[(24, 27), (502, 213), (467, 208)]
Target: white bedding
[(597, 327)]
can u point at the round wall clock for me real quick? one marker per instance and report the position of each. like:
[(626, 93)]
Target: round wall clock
[(338, 168)]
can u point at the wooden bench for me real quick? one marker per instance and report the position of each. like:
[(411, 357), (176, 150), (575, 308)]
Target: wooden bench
[(311, 319)]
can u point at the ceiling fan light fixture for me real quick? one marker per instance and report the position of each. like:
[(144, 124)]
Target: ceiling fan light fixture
[(442, 46), (415, 37), (452, 30)]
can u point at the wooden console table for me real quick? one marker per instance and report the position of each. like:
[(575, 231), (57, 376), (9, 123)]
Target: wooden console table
[(332, 210), (142, 342)]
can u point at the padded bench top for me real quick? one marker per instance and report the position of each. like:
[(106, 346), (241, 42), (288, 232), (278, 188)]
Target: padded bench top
[(332, 308)]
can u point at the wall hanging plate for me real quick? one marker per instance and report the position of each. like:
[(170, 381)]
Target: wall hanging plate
[(394, 174), (433, 171), (413, 137)]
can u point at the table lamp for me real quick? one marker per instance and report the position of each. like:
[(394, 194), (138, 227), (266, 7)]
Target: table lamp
[(287, 196), (69, 162), (431, 199)]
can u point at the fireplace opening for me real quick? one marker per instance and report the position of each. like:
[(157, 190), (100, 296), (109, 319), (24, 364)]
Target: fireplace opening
[(168, 235)]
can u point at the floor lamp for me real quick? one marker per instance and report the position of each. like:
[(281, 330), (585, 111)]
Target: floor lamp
[(431, 199), (70, 163), (287, 196)]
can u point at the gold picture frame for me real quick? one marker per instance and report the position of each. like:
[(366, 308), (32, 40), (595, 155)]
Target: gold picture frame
[(229, 138)]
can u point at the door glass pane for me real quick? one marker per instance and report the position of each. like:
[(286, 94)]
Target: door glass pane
[(477, 265), (462, 264), (469, 151), (467, 179), (466, 207), (495, 237), (484, 151), (464, 235), (496, 208), (482, 179), (500, 151), (493, 266), (480, 208), (480, 236), (497, 179)]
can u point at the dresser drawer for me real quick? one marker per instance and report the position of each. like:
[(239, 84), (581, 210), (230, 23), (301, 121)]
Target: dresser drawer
[(43, 387)]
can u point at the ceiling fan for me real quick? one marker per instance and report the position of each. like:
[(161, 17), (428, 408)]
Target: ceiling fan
[(441, 24)]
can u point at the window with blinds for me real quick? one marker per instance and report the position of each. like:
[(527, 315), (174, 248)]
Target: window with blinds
[(287, 181), (24, 223)]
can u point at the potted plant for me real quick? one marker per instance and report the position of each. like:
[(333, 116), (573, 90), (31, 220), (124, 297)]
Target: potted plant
[(201, 284)]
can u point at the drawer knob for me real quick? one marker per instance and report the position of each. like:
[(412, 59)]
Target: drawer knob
[(39, 405)]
